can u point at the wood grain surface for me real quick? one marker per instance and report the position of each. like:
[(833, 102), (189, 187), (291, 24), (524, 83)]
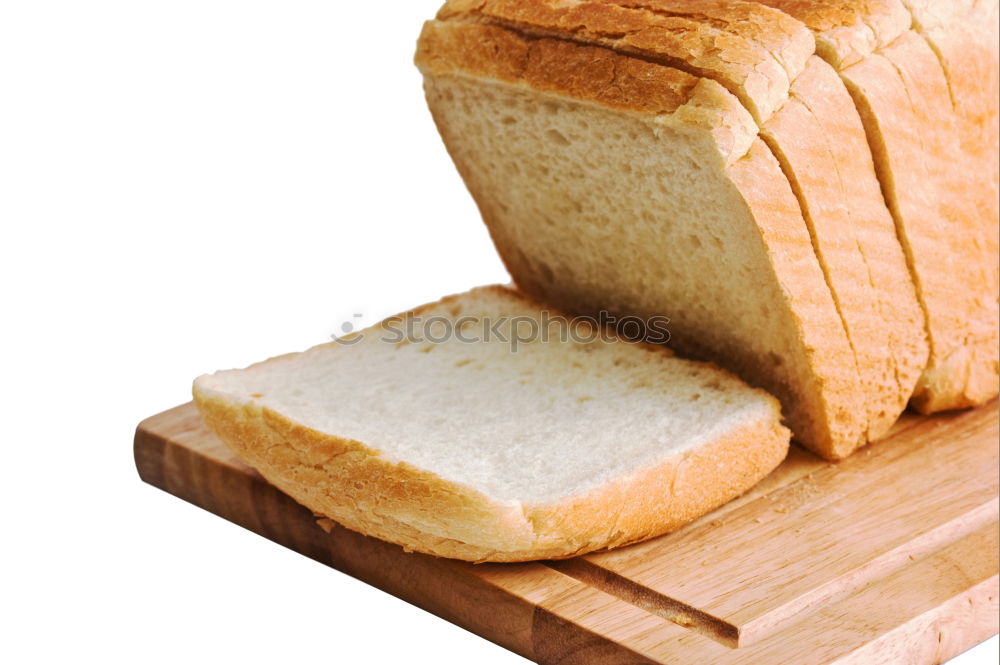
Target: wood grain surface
[(890, 556)]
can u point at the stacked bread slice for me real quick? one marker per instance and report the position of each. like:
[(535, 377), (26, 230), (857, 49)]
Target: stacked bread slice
[(819, 224)]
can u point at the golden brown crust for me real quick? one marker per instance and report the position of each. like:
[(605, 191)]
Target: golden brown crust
[(752, 50), (848, 31), (944, 200), (589, 74), (963, 366), (963, 36), (355, 486), (902, 94)]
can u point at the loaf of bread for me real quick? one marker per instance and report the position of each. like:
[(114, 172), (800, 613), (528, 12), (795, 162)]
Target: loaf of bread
[(806, 225), (485, 428), (801, 191)]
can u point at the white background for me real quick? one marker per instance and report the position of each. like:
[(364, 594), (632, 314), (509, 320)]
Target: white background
[(187, 186)]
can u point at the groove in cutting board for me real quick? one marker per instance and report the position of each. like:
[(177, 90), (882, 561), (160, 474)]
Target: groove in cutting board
[(662, 606), (923, 614), (815, 538)]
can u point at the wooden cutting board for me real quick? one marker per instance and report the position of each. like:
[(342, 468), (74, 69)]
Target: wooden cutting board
[(890, 556)]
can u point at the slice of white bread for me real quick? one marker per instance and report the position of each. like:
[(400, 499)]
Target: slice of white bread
[(932, 134), (807, 119), (567, 216), (461, 430)]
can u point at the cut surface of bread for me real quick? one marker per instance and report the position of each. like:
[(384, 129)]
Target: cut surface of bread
[(438, 431), (821, 151)]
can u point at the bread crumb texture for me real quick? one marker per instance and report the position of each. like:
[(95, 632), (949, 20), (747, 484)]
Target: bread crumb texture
[(477, 451)]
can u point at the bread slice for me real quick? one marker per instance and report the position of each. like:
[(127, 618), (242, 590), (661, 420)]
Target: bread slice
[(485, 428), (931, 167), (762, 57), (819, 139)]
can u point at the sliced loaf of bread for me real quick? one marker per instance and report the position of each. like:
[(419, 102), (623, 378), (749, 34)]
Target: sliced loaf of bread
[(806, 118), (567, 217), (485, 428)]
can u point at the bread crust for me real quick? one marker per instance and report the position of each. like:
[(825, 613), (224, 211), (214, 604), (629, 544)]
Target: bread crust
[(752, 50), (915, 145), (589, 74), (357, 487), (963, 366), (848, 31), (963, 37)]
